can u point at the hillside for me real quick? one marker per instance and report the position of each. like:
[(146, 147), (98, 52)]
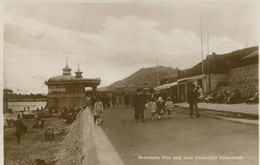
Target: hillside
[(145, 77)]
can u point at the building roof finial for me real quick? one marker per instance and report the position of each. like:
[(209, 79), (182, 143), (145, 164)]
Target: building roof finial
[(66, 70), (78, 73)]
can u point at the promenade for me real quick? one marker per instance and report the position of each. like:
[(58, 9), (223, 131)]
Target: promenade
[(235, 108), (178, 140)]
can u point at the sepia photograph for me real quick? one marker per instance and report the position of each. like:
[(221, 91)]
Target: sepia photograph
[(129, 82)]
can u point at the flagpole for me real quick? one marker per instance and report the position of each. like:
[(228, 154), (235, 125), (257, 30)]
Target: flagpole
[(157, 68), (202, 67), (208, 40)]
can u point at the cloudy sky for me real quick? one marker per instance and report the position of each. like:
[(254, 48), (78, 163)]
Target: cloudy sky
[(113, 40)]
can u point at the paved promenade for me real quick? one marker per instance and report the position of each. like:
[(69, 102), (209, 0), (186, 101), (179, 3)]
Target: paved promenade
[(181, 140), (237, 108)]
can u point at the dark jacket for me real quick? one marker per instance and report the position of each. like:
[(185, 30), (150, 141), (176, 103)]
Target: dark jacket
[(192, 96), (20, 127), (139, 101)]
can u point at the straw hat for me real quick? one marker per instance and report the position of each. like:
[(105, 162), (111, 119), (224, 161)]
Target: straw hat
[(160, 99)]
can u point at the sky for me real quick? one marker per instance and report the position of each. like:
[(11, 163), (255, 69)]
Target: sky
[(113, 40)]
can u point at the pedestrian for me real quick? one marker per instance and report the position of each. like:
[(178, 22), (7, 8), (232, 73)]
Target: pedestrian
[(153, 107), (169, 107), (192, 96), (139, 102), (127, 99), (113, 98), (160, 106), (98, 110), (20, 128), (117, 101), (92, 100), (103, 99), (50, 111)]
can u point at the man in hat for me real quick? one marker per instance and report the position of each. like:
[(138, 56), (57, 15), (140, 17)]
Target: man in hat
[(20, 128), (139, 103), (192, 97)]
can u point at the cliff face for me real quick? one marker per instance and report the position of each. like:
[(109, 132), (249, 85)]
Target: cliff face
[(145, 77)]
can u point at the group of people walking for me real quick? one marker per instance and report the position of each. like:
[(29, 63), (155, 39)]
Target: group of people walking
[(159, 106), (111, 99), (154, 105)]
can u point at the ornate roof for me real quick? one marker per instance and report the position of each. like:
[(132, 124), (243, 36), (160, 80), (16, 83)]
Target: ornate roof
[(68, 79), (63, 78)]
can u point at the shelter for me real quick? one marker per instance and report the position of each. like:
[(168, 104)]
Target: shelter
[(68, 90)]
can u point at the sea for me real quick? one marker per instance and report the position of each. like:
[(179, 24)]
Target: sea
[(19, 106)]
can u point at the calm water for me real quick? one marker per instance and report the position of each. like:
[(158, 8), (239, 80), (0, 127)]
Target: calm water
[(19, 106)]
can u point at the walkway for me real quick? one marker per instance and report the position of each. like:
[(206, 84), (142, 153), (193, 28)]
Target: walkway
[(237, 108), (179, 140)]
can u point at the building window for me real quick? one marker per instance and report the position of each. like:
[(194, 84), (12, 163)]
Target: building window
[(56, 89)]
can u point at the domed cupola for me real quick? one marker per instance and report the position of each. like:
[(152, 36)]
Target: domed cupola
[(66, 69), (78, 73)]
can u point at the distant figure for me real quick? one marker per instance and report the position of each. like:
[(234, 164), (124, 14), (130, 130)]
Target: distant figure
[(117, 101), (160, 106), (20, 128), (235, 97), (200, 91), (93, 100), (127, 99), (113, 98), (120, 99), (153, 107), (192, 96), (169, 107), (50, 111), (139, 101), (98, 110)]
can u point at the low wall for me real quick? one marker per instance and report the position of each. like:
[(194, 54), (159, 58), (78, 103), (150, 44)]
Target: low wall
[(78, 146), (89, 150), (86, 144)]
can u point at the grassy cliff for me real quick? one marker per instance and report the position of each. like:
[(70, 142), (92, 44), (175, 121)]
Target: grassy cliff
[(145, 77)]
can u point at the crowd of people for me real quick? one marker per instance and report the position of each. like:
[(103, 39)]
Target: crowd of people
[(157, 103), (112, 99), (67, 113)]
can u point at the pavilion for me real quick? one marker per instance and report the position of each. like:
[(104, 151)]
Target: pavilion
[(68, 90)]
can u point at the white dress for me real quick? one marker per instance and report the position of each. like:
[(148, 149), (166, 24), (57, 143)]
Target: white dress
[(169, 105), (153, 107)]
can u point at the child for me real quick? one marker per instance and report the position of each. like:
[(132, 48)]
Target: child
[(98, 109), (152, 107), (169, 107), (160, 106)]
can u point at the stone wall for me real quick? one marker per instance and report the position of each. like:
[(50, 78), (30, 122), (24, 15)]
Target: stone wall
[(215, 79), (245, 79)]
